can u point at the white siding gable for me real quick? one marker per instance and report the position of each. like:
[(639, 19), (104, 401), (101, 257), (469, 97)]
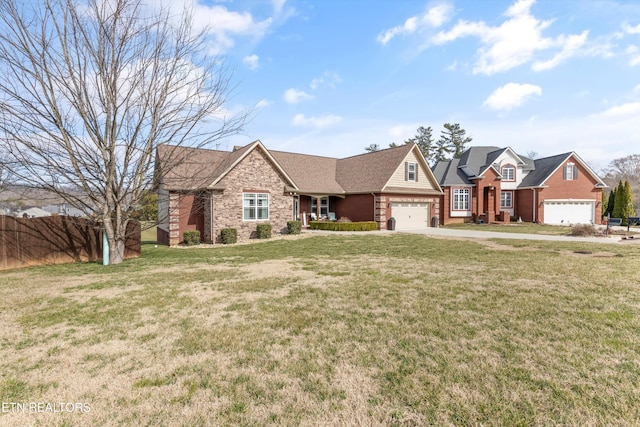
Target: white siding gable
[(507, 158), (399, 177)]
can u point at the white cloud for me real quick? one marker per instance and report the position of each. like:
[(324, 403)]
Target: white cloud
[(432, 18), (223, 25), (278, 5), (294, 96), (438, 15), (570, 46), (316, 122), (511, 95), (251, 61), (624, 110), (328, 79), (636, 89), (408, 27), (263, 103), (514, 42), (634, 54), (630, 29)]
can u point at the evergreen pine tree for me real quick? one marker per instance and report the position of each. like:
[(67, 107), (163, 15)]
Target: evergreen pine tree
[(452, 141), (611, 202), (618, 206), (628, 198)]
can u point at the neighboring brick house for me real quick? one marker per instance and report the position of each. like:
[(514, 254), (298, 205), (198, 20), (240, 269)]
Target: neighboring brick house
[(208, 190), (493, 184)]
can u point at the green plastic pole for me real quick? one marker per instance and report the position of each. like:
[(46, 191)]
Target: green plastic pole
[(105, 248)]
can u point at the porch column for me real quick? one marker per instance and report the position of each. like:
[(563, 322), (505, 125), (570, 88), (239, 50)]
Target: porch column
[(491, 205), (479, 200)]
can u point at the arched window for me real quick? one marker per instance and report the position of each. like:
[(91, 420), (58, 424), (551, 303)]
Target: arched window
[(508, 173)]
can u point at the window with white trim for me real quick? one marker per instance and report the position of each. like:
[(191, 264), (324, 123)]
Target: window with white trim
[(412, 171), (461, 198), (570, 172), (255, 206), (508, 173), (506, 199)]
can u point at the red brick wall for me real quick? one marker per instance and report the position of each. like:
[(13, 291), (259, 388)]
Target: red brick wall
[(191, 213), (524, 204), (356, 207), (186, 212), (560, 188)]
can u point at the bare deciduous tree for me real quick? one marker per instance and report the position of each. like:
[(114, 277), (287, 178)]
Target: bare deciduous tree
[(90, 89)]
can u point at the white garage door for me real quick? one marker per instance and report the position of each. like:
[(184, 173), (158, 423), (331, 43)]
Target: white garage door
[(410, 215), (567, 212)]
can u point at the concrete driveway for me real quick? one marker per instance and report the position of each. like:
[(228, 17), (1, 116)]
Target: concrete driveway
[(479, 234)]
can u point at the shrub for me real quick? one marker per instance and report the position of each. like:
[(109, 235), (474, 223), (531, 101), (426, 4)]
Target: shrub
[(264, 231), (584, 230), (191, 237), (344, 226), (294, 227), (229, 235)]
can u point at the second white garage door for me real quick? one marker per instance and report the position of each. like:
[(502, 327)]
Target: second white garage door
[(567, 212), (410, 215)]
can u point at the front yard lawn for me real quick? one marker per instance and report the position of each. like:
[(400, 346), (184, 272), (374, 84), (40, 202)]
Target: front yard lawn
[(387, 329)]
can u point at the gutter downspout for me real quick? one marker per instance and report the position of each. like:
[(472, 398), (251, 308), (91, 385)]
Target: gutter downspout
[(374, 207), (212, 235), (535, 205)]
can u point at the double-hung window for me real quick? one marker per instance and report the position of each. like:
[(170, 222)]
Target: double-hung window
[(506, 199), (461, 199), (570, 172), (412, 171), (255, 206)]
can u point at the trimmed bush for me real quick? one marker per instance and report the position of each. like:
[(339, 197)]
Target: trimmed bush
[(294, 227), (229, 235), (264, 231), (191, 237), (344, 226)]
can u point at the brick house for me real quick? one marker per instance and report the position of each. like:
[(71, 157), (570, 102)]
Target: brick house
[(208, 190), (492, 184)]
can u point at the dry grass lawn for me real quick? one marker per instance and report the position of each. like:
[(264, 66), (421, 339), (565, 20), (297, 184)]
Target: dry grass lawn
[(328, 330)]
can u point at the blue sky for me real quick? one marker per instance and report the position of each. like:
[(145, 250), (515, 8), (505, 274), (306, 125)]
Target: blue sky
[(330, 77)]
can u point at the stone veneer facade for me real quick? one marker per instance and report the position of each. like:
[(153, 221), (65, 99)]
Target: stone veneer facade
[(255, 174)]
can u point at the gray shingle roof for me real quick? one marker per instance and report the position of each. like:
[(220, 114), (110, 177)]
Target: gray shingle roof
[(449, 173), (543, 168), (477, 159)]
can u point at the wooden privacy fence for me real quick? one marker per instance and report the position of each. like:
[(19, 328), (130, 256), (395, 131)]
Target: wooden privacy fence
[(56, 239)]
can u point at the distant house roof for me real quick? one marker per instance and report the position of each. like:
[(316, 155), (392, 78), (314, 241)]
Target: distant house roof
[(475, 161), (33, 213), (182, 168)]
